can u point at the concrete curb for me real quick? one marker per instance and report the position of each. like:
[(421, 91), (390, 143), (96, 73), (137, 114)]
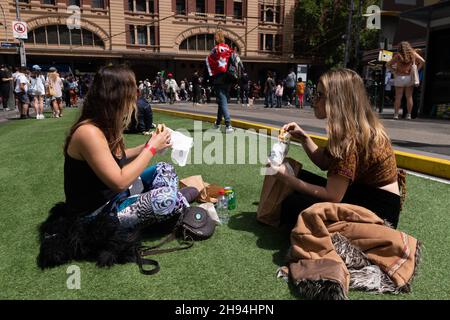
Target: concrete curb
[(410, 161)]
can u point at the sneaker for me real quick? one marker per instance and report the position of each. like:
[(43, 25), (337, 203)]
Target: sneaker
[(6, 109), (216, 126), (395, 116), (408, 117), (42, 116), (229, 129)]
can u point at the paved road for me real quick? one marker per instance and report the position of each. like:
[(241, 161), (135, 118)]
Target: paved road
[(429, 137)]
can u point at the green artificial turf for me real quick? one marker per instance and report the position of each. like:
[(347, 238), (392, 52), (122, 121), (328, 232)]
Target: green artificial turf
[(238, 262)]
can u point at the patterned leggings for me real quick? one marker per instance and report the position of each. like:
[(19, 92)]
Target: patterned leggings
[(159, 202)]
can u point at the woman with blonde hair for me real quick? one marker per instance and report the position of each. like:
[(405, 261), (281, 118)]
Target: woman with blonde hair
[(401, 65), (54, 89), (359, 158)]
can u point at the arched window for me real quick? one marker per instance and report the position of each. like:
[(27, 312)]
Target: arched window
[(203, 42), (61, 35)]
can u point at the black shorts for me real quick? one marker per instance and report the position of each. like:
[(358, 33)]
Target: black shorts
[(385, 204)]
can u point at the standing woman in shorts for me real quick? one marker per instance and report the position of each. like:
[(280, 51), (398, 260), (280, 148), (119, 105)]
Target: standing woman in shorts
[(401, 65), (55, 85)]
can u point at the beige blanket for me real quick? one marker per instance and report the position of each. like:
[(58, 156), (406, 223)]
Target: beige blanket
[(337, 246)]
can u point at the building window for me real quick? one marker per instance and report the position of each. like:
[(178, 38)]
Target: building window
[(180, 7), (142, 35), (220, 7), (141, 5), (270, 42), (75, 36), (24, 1), (49, 2), (270, 13), (237, 10), (98, 4), (132, 36), (62, 36), (88, 39), (52, 35), (200, 6), (151, 6), (202, 42), (131, 5), (152, 36), (74, 3)]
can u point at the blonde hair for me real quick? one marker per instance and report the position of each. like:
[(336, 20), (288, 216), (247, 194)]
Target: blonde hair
[(405, 52), (219, 37), (352, 125)]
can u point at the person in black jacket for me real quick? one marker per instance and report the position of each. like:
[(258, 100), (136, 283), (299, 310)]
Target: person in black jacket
[(144, 122)]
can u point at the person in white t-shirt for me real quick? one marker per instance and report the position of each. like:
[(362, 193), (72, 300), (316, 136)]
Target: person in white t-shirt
[(21, 92)]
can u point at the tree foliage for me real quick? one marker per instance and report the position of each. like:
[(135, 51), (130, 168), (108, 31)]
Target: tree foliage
[(321, 27)]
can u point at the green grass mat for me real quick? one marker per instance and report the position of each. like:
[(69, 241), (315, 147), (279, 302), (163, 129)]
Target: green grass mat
[(238, 262)]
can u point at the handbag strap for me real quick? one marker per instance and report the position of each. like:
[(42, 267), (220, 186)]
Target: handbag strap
[(144, 251)]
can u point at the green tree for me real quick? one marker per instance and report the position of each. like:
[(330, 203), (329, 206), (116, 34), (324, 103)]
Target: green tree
[(320, 30)]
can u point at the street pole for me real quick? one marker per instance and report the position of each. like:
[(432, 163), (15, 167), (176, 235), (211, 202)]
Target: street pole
[(349, 31), (23, 57), (358, 29)]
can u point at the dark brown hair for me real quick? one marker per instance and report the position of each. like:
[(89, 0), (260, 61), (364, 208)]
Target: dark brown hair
[(108, 105)]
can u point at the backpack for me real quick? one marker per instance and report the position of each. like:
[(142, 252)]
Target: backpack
[(194, 224), (235, 68)]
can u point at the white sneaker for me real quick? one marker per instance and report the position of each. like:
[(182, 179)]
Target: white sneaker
[(408, 117), (38, 116), (229, 129), (395, 116), (216, 126), (42, 116)]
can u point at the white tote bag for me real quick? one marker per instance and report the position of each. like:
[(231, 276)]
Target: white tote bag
[(414, 75)]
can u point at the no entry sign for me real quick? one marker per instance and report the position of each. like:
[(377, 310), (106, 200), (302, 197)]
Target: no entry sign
[(20, 30)]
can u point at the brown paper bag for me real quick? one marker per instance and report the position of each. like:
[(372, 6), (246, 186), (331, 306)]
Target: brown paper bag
[(208, 192), (273, 192)]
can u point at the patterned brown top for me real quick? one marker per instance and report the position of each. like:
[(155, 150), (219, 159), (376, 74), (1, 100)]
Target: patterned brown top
[(379, 170)]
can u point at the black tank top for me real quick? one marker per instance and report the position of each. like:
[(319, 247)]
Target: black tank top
[(84, 191)]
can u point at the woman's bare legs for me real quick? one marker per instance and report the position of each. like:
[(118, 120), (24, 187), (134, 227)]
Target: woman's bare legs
[(55, 108), (398, 100), (409, 100)]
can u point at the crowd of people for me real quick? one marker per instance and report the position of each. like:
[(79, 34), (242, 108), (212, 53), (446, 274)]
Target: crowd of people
[(34, 88), (273, 92)]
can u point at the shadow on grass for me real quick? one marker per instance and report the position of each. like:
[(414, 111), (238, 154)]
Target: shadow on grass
[(269, 238)]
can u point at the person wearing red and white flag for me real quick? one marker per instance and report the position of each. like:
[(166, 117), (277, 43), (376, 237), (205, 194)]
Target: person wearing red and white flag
[(217, 65)]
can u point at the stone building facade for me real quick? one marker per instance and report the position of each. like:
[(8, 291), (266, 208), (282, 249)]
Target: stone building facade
[(151, 35)]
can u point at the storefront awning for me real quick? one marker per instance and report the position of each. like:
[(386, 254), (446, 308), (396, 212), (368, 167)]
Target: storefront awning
[(437, 15)]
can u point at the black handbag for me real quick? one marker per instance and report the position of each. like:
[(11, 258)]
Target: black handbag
[(194, 224)]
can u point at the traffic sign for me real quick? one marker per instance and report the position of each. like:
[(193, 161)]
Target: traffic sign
[(9, 45), (20, 30)]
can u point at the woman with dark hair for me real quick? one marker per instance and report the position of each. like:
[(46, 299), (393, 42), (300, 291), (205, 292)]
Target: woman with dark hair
[(110, 193)]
